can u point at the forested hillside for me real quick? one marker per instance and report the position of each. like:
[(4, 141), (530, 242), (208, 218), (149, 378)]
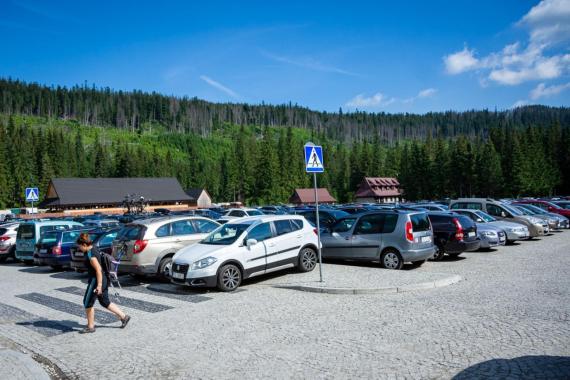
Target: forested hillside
[(265, 164), (138, 110)]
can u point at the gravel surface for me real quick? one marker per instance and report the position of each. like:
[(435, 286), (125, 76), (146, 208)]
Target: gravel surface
[(508, 318)]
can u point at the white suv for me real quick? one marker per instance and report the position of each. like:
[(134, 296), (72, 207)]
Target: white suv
[(235, 213), (244, 248)]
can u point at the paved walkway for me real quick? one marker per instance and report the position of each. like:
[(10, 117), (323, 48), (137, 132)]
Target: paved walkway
[(16, 365)]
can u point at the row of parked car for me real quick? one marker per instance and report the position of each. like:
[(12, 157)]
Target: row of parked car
[(189, 249)]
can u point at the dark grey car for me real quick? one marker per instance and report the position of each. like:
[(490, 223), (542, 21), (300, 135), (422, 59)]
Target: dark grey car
[(391, 237)]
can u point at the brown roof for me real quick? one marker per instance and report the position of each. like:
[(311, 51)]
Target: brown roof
[(378, 187), (308, 196)]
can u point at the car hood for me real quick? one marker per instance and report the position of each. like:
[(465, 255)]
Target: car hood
[(503, 224), (487, 227), (192, 253)]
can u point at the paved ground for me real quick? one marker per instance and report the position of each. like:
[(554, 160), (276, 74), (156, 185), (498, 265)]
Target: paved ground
[(508, 318)]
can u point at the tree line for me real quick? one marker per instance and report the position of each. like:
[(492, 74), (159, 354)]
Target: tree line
[(260, 165), (138, 110)]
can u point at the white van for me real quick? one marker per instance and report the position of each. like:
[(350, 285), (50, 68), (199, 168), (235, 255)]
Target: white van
[(244, 248)]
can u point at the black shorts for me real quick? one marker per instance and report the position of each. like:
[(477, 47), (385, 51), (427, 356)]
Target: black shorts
[(89, 297)]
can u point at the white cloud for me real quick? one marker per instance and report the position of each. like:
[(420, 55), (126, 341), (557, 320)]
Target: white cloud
[(520, 103), (542, 90), (375, 101), (219, 86), (548, 24), (427, 93), (308, 63), (380, 100), (460, 61)]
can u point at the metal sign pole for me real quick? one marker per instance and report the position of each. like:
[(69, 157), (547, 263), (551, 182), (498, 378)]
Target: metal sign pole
[(318, 228)]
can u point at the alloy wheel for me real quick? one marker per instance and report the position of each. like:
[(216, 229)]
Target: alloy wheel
[(231, 278), (391, 260), (309, 259)]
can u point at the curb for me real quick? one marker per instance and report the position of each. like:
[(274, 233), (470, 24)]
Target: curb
[(401, 289)]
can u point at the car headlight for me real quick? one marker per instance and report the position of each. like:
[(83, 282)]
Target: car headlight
[(489, 233), (200, 264)]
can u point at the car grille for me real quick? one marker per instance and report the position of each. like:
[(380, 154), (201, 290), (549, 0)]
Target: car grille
[(180, 268)]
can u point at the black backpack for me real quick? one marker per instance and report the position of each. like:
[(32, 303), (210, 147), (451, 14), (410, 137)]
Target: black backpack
[(107, 264)]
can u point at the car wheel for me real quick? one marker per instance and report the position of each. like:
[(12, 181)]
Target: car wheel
[(229, 278), (56, 267), (3, 258), (439, 253), (164, 269), (391, 259), (307, 260)]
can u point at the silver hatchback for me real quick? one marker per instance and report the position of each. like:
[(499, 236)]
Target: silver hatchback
[(147, 246), (391, 237)]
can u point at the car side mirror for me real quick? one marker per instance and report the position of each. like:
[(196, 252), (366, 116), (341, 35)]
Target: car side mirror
[(479, 220), (250, 242)]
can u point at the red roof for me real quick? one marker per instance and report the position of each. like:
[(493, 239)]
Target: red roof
[(301, 196), (378, 187)]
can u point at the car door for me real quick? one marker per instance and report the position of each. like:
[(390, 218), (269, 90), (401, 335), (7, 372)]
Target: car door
[(497, 211), (185, 233), (284, 247), (256, 255), (367, 236), (337, 242)]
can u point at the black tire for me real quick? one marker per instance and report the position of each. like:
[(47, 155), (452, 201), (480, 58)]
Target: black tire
[(28, 262), (229, 278), (3, 258), (391, 259), (419, 263), (308, 259), (164, 269), (56, 267), (439, 253)]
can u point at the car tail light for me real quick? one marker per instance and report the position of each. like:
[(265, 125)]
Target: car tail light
[(139, 246), (4, 238), (409, 231), (458, 229), (315, 231), (56, 250)]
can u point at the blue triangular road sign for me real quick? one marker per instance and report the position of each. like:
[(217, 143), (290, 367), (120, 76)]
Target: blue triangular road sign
[(314, 159), (32, 194)]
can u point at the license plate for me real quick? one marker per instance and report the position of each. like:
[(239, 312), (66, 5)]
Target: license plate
[(426, 239), (43, 250), (471, 234), (78, 254), (178, 276)]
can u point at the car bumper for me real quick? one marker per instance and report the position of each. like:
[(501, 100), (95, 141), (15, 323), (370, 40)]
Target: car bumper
[(201, 282), (462, 246), (137, 269), (418, 254), (5, 250), (517, 235), (52, 260), (25, 255), (489, 241)]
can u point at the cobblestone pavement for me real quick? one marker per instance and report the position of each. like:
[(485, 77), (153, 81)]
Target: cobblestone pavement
[(508, 318)]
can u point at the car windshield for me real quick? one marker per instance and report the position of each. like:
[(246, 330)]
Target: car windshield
[(226, 234), (254, 213), (565, 205), (525, 211), (537, 210), (486, 217), (512, 210)]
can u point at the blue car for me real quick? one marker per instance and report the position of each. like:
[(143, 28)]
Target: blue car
[(54, 248)]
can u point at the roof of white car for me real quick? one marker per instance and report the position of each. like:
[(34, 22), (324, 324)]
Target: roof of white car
[(264, 218)]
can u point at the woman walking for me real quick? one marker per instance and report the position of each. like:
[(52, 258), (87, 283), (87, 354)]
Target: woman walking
[(97, 286)]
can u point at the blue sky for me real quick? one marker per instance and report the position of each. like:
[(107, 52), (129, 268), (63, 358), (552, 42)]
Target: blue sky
[(377, 56)]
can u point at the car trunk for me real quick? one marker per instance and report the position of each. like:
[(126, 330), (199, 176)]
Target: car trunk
[(421, 230), (123, 245)]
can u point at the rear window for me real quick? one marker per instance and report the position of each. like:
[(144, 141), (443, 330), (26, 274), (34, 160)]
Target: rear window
[(27, 231), (71, 237), (283, 227), (465, 221), (132, 232), (420, 222), (49, 237), (467, 205)]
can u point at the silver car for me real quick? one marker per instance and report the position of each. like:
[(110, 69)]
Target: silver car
[(8, 234), (515, 231), (391, 237), (557, 221), (147, 246)]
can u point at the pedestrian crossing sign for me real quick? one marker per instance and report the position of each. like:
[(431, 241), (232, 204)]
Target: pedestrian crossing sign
[(314, 159), (32, 194)]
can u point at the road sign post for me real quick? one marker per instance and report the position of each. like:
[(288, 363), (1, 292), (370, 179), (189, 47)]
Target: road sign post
[(314, 164), (32, 195)]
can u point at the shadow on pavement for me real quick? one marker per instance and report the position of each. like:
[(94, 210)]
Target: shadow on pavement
[(60, 326), (524, 367)]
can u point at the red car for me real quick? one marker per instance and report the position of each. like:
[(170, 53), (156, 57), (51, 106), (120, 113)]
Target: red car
[(547, 206)]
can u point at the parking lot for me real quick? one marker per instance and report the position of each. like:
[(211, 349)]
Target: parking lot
[(508, 316)]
